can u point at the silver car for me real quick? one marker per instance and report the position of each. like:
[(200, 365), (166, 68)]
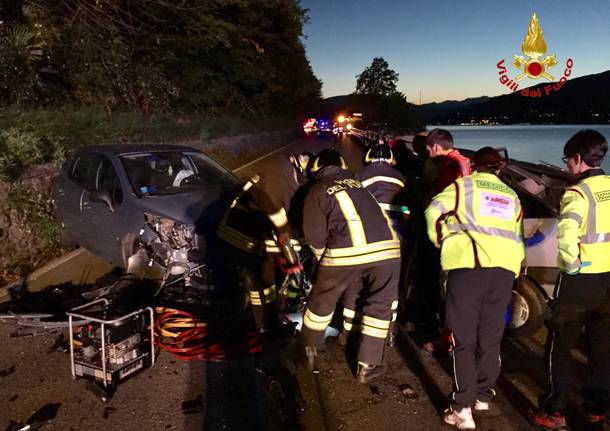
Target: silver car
[(104, 191)]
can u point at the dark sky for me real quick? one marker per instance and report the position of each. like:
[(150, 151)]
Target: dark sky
[(449, 49)]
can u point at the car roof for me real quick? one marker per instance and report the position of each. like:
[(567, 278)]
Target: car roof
[(120, 149)]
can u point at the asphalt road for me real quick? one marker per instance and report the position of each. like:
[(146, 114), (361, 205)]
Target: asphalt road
[(264, 392)]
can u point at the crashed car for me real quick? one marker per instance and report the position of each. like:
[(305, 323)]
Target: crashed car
[(103, 193), (540, 187)]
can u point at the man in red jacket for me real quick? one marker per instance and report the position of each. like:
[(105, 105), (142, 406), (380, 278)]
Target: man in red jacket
[(444, 166)]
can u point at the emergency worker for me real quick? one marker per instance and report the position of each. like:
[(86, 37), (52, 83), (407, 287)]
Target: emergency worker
[(477, 223), (582, 293), (386, 185), (444, 165), (257, 237), (354, 243)]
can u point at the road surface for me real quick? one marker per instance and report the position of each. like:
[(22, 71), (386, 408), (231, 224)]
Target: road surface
[(265, 392)]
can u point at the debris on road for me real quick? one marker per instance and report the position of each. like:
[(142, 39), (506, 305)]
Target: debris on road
[(408, 391), (8, 371)]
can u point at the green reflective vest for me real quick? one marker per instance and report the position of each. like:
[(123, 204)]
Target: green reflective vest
[(584, 226), (477, 223)]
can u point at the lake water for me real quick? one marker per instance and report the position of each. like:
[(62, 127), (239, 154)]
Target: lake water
[(524, 142)]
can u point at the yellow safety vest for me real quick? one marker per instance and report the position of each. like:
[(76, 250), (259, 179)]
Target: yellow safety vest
[(584, 226), (477, 223)]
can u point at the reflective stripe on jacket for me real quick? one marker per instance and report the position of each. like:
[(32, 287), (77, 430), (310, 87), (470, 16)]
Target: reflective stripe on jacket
[(477, 223), (387, 185), (584, 225), (344, 224)]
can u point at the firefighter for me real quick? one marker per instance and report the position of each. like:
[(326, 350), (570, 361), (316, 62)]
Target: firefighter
[(386, 185), (582, 293), (257, 237), (354, 242), (477, 223)]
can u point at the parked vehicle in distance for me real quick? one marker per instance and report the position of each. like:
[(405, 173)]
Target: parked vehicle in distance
[(103, 192), (324, 126)]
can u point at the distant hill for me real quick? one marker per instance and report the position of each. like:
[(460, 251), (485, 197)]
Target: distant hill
[(583, 100)]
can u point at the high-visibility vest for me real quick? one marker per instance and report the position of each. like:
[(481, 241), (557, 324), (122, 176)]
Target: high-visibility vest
[(584, 226), (477, 222)]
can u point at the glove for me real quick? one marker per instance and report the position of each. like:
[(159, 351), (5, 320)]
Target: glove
[(534, 240), (577, 270), (293, 285)]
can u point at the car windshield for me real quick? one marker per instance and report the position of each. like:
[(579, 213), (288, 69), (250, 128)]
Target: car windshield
[(171, 172)]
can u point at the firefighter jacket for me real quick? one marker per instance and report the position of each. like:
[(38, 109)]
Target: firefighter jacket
[(584, 225), (344, 224), (387, 185), (258, 219), (477, 223)]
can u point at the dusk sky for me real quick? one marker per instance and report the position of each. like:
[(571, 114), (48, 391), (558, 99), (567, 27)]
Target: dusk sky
[(449, 49)]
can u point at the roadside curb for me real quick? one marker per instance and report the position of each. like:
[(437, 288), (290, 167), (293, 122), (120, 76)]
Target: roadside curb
[(62, 270)]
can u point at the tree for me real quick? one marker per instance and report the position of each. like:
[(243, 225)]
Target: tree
[(377, 79)]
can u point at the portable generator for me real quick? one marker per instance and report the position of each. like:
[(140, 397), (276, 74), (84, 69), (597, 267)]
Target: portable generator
[(110, 350)]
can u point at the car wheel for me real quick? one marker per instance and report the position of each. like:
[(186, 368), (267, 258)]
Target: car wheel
[(525, 314)]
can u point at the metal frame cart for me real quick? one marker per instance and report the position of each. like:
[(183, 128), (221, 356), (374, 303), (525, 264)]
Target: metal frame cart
[(116, 348)]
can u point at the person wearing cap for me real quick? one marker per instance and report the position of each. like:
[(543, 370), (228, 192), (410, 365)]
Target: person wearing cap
[(477, 223), (355, 245), (582, 292)]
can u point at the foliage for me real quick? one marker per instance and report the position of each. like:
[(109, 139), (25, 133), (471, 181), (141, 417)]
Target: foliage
[(36, 209), (377, 79), (21, 148), (217, 56), (87, 126)]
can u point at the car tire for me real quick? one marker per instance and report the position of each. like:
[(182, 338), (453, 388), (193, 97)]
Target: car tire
[(527, 308)]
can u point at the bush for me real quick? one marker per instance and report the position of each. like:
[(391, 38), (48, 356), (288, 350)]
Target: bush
[(21, 148)]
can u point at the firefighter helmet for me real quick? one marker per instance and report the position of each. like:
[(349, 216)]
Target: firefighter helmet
[(380, 153), (328, 157)]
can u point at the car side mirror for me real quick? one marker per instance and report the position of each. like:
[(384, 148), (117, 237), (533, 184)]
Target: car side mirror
[(102, 196)]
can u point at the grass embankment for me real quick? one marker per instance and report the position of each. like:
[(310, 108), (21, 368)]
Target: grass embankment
[(34, 137)]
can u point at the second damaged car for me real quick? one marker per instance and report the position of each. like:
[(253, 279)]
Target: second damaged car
[(104, 191)]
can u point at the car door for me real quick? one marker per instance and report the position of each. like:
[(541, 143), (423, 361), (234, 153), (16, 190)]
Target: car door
[(106, 226), (72, 185)]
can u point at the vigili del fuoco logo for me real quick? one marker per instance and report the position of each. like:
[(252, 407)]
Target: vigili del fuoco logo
[(534, 64)]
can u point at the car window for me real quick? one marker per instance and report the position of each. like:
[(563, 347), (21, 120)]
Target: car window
[(211, 172), (170, 172), (108, 180), (84, 170)]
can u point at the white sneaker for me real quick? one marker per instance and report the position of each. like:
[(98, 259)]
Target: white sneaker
[(462, 419), (481, 406)]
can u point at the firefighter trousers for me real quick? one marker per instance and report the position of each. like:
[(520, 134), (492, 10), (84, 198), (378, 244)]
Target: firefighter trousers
[(581, 301), (381, 283), (475, 311)]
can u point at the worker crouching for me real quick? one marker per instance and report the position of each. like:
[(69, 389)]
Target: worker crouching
[(354, 242), (477, 223)]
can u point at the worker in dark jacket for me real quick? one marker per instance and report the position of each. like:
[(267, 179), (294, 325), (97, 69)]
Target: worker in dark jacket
[(257, 237), (444, 165), (354, 242), (386, 185)]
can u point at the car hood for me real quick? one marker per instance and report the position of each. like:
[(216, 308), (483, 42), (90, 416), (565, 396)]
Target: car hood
[(189, 208)]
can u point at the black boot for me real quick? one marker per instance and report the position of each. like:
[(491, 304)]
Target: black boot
[(366, 372)]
